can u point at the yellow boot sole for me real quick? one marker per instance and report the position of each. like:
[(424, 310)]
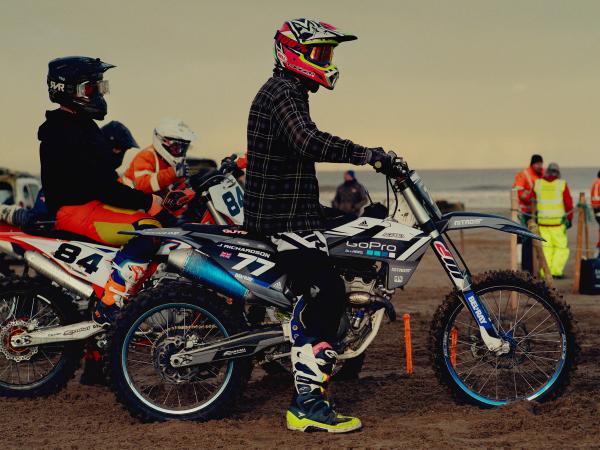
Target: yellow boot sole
[(306, 425)]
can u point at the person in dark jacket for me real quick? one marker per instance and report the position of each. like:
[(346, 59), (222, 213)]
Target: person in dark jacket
[(350, 196), (282, 201), (121, 140), (80, 182)]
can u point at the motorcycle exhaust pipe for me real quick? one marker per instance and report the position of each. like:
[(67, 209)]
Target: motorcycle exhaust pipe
[(52, 271), (196, 266), (7, 248)]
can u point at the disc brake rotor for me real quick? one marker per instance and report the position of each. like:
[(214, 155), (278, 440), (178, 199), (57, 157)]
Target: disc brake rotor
[(13, 328), (166, 346), (508, 360)]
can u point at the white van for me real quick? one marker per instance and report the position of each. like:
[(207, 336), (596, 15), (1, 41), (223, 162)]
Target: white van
[(18, 189)]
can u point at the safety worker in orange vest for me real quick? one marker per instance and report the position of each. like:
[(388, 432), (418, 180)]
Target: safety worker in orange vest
[(163, 163), (596, 206), (554, 216), (523, 184)]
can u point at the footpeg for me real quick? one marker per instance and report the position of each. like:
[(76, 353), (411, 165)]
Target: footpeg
[(387, 305)]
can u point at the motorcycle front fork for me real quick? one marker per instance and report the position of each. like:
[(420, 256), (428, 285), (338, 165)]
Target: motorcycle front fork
[(489, 334)]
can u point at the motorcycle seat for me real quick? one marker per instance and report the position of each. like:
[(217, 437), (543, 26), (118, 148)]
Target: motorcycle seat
[(46, 229), (227, 231)]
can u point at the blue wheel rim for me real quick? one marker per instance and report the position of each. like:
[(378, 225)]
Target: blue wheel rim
[(494, 402)]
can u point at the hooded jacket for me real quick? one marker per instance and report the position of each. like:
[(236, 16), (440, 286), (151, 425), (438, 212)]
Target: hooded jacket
[(76, 166)]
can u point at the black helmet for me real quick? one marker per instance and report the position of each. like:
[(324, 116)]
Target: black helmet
[(119, 135), (77, 82)]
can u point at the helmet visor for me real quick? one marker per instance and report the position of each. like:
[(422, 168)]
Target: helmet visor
[(176, 147), (88, 89), (321, 54)]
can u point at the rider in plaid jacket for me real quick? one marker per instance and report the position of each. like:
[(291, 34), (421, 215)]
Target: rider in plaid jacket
[(282, 201)]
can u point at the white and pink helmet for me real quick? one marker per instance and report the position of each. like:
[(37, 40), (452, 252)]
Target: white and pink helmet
[(305, 47)]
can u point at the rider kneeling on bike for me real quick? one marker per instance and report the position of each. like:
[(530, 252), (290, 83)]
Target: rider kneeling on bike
[(282, 201), (80, 182)]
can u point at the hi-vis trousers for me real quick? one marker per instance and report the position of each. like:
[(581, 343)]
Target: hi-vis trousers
[(555, 248)]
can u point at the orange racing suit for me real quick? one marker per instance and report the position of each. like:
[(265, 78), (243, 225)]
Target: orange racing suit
[(149, 173)]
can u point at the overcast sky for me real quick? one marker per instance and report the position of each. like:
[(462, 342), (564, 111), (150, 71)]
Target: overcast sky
[(447, 84)]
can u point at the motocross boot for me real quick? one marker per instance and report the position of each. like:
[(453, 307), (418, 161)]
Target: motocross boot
[(119, 287), (310, 410)]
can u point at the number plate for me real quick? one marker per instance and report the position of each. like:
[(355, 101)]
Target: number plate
[(228, 198)]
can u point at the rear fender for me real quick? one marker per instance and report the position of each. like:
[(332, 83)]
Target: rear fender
[(460, 220)]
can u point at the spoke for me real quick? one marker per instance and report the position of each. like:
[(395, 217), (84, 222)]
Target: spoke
[(543, 340), (492, 370), (523, 316), (540, 357), (541, 332), (480, 363), (195, 393), (139, 362), (46, 356), (471, 344), (526, 381), (536, 364), (168, 393), (493, 316)]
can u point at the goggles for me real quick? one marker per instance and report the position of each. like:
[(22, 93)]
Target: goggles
[(88, 89), (321, 55), (176, 147)]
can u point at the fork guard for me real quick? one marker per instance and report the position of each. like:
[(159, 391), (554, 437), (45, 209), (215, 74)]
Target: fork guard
[(240, 345), (460, 220)]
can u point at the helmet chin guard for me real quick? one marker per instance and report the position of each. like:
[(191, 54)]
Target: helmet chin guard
[(172, 139), (305, 47)]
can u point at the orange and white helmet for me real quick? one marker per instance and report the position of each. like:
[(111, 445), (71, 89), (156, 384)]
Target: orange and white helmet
[(172, 140), (305, 47)]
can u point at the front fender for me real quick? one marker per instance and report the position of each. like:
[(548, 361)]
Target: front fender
[(461, 220)]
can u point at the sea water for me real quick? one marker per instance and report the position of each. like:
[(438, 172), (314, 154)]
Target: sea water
[(478, 189)]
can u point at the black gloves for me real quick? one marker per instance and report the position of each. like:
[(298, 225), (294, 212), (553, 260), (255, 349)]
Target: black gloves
[(381, 161), (174, 201)]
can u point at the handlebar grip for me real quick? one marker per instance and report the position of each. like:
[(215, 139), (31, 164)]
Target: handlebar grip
[(242, 161)]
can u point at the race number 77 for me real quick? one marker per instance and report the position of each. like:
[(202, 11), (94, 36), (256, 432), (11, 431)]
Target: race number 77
[(247, 259)]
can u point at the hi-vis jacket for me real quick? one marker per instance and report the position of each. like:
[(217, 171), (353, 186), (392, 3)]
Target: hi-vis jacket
[(554, 202), (523, 183), (148, 172), (596, 194)]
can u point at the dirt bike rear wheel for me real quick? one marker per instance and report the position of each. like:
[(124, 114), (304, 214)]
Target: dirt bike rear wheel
[(527, 314), (41, 370), (155, 325)]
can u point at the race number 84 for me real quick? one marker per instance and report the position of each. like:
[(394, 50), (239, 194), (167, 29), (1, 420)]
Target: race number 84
[(234, 206), (68, 253)]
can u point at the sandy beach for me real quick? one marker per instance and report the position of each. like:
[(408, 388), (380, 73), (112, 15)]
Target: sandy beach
[(397, 410)]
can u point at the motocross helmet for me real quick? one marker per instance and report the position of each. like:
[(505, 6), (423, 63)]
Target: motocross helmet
[(172, 140), (77, 82), (119, 135), (305, 47)]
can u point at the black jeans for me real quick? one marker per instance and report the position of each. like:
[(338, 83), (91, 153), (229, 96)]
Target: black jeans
[(312, 275)]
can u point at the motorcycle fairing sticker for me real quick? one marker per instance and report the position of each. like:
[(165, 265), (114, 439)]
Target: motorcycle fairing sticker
[(449, 263), (89, 261), (478, 310)]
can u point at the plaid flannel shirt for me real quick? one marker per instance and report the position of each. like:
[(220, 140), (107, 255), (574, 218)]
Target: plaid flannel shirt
[(282, 191)]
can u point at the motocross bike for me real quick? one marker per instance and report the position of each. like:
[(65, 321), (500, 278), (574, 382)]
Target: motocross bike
[(185, 350), (42, 329)]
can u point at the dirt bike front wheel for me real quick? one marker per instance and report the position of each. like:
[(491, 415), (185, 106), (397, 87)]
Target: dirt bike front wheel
[(528, 315), (158, 323)]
